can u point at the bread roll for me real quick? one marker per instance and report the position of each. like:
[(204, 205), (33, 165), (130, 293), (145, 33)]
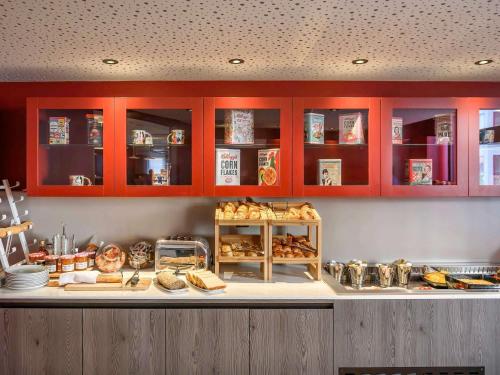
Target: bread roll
[(169, 281)]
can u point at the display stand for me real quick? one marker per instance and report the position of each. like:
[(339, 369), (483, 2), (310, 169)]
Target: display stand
[(277, 218), (261, 239), (16, 227)]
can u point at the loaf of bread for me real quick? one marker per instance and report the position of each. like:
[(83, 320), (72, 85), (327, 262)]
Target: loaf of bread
[(205, 280), (169, 281)]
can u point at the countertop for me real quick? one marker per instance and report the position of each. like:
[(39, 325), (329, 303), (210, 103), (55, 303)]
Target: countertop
[(283, 290)]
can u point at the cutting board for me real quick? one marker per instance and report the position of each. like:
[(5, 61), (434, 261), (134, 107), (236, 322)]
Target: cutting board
[(143, 284), (101, 278)]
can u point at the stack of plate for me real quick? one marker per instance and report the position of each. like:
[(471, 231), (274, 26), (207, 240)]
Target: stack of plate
[(26, 277)]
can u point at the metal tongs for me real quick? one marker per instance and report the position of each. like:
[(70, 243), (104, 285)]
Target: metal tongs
[(134, 280)]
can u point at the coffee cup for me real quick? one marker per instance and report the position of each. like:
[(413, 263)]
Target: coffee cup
[(79, 180), (176, 137)]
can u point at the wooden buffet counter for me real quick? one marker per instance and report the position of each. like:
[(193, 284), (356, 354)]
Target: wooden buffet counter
[(252, 328)]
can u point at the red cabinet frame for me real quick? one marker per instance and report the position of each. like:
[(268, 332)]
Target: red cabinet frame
[(475, 105), (387, 106), (285, 107), (34, 105), (373, 186), (193, 103)]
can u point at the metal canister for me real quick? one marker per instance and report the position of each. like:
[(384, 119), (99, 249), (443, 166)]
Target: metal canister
[(335, 269), (403, 272), (385, 275), (357, 271)]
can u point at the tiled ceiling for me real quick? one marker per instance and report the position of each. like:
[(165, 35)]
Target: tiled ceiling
[(278, 39)]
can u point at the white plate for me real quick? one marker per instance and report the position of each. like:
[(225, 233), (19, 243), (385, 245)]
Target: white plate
[(25, 269), (206, 291), (26, 287), (171, 291)]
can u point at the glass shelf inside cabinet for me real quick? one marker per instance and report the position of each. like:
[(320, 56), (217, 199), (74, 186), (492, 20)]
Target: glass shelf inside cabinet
[(335, 147), (247, 147), (159, 147), (424, 148), (71, 147), (489, 147)]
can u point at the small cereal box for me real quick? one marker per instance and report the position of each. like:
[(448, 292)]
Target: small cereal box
[(59, 130), (238, 127), (227, 167), (351, 129), (269, 167), (397, 130)]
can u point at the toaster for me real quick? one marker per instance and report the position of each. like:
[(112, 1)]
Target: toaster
[(181, 253)]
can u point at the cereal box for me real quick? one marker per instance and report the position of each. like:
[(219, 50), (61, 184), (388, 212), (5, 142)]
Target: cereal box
[(238, 126), (444, 128), (329, 172), (351, 129), (420, 171), (94, 129), (397, 130), (269, 166), (59, 130), (227, 163), (314, 128)]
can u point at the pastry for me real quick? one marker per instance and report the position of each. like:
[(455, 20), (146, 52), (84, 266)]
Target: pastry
[(254, 215), (169, 281), (225, 248), (239, 253), (251, 254), (309, 254), (289, 255)]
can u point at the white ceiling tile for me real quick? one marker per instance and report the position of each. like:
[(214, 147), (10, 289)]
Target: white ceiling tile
[(278, 39)]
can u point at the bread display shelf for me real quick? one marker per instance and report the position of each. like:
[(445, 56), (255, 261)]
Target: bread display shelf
[(242, 213), (293, 213), (280, 260), (224, 259)]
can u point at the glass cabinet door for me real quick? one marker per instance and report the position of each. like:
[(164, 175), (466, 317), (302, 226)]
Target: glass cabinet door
[(425, 142), (248, 144), (72, 152), (160, 142), (484, 136), (336, 146)]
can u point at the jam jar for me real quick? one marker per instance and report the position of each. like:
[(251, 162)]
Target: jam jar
[(67, 263), (36, 258), (81, 261), (91, 258), (51, 263)]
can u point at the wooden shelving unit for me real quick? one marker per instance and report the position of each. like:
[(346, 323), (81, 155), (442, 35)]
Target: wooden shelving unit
[(278, 218), (263, 239), (274, 216)]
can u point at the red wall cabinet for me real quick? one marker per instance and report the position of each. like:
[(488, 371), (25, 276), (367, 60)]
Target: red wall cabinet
[(159, 146), (70, 146), (336, 147), (247, 148), (484, 146), (424, 147)]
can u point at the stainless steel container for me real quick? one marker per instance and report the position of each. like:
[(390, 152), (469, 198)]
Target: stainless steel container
[(385, 275), (403, 272), (357, 271), (335, 269)]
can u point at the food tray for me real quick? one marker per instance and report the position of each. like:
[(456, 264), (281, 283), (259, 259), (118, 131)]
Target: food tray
[(264, 215), (277, 214), (453, 281)]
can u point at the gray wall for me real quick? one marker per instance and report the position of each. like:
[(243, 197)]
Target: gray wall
[(378, 229)]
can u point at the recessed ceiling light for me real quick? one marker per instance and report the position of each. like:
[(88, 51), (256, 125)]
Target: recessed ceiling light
[(236, 61), (110, 61), (483, 62), (359, 61)]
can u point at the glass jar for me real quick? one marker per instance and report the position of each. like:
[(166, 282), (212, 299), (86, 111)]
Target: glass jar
[(110, 258), (51, 263), (36, 258), (91, 258), (81, 261), (67, 263)]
